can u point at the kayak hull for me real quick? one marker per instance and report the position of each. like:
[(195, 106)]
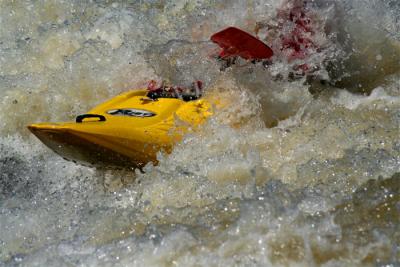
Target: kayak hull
[(74, 147)]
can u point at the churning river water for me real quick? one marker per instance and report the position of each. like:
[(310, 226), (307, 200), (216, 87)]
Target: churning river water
[(292, 171)]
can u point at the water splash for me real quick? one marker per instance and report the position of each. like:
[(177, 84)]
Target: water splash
[(281, 177)]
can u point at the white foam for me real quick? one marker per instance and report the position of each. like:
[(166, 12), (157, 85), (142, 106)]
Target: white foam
[(234, 193)]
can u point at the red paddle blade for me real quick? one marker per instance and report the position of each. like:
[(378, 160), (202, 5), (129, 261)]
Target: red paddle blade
[(236, 42)]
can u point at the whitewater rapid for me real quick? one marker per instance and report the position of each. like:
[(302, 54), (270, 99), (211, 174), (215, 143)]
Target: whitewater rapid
[(285, 173)]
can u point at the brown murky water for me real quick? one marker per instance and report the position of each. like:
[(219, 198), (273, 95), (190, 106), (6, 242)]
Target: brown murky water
[(277, 177)]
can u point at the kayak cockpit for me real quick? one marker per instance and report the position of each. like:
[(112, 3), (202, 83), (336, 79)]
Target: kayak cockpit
[(162, 90)]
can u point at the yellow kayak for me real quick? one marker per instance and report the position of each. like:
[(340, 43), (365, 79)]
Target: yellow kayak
[(127, 130)]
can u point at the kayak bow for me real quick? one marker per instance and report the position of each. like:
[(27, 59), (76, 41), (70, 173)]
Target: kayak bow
[(127, 130)]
